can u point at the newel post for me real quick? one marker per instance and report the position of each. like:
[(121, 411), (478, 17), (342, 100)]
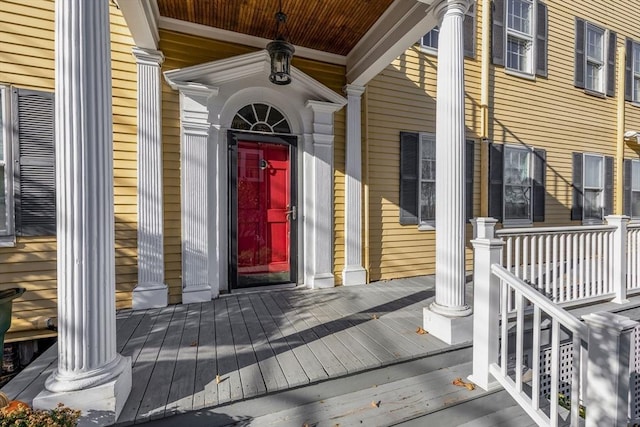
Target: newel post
[(619, 262), (486, 301), (608, 371)]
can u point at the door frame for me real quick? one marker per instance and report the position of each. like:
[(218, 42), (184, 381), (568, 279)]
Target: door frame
[(291, 141)]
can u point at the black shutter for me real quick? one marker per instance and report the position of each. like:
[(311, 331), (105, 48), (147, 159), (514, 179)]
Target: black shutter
[(579, 59), (469, 35), (608, 185), (496, 158), (541, 41), (35, 172), (409, 176), (539, 192), (627, 187), (469, 166), (628, 72), (497, 32), (611, 64), (576, 208)]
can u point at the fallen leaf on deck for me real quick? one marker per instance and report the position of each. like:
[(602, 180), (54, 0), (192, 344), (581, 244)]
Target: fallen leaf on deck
[(194, 343), (420, 331), (374, 317), (460, 383), (375, 404), (218, 379)]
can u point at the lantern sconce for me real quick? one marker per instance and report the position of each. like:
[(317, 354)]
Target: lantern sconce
[(280, 52)]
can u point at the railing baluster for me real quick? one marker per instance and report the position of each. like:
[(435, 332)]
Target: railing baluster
[(540, 280), (534, 278), (562, 294), (600, 265), (519, 339), (509, 248), (547, 281), (504, 326), (554, 274), (555, 371), (535, 393), (526, 264), (575, 265), (581, 267), (593, 262), (575, 381), (516, 257)]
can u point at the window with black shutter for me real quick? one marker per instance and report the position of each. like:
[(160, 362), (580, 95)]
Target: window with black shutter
[(632, 71), (631, 197), (595, 58), (592, 187), (35, 194), (431, 40), (417, 178)]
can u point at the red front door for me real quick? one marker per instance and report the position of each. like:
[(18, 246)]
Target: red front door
[(264, 213)]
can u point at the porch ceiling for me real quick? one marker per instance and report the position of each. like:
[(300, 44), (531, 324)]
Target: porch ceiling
[(326, 26)]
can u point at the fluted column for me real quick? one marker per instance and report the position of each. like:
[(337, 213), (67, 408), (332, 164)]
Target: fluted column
[(90, 375), (353, 272), (196, 203), (450, 300), (151, 290), (319, 217)]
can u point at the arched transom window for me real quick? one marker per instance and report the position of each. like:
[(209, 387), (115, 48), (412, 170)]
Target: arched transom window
[(260, 118)]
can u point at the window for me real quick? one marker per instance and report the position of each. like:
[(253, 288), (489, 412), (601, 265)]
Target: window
[(517, 183), (260, 118), (592, 187), (519, 36), (427, 179), (418, 179), (430, 40), (595, 58), (632, 72), (635, 189), (6, 194)]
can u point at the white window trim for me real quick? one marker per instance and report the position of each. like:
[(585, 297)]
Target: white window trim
[(584, 188), (602, 63), (637, 217), (471, 13), (8, 239), (635, 72), (430, 224), (531, 38), (518, 222)]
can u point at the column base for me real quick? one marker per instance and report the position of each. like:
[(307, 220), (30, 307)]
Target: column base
[(150, 296), (198, 293), (100, 405), (320, 281), (354, 275), (491, 386), (452, 330)]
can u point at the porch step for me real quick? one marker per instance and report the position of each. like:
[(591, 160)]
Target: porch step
[(379, 397)]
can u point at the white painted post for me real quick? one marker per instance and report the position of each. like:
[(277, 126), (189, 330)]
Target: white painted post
[(619, 256), (486, 301), (608, 373)]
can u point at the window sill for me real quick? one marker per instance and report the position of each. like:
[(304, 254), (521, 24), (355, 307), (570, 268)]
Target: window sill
[(595, 93), (520, 74), (427, 227), (429, 50), (636, 103), (516, 224), (7, 242)]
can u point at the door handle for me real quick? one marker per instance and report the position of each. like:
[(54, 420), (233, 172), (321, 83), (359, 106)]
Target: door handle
[(292, 213)]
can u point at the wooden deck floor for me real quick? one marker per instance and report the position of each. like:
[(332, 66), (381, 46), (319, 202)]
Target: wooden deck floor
[(257, 343)]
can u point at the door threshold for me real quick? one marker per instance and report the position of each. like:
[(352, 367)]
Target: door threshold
[(263, 288)]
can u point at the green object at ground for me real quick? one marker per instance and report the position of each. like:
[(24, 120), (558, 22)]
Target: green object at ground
[(6, 300)]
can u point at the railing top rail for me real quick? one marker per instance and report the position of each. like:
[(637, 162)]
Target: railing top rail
[(554, 230), (633, 225), (566, 319)]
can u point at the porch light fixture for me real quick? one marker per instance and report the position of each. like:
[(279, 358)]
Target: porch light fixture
[(280, 51)]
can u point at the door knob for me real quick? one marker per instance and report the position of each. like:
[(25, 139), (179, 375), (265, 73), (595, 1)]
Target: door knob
[(292, 213)]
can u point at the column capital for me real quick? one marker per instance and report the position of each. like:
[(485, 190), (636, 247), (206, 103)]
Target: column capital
[(353, 90), (323, 107), (147, 56), (452, 6)]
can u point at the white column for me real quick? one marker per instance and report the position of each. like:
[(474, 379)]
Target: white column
[(353, 272), (619, 262), (320, 207), (151, 290), (196, 203), (91, 375), (450, 301), (611, 340)]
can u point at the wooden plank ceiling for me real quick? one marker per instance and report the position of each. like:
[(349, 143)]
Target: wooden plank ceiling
[(333, 26)]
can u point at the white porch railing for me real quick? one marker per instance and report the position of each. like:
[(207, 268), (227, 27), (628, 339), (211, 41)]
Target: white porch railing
[(538, 351)]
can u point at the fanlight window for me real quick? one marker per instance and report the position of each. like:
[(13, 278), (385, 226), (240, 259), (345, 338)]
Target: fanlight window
[(260, 118)]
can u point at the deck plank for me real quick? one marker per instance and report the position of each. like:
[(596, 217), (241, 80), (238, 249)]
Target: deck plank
[(313, 369), (143, 365), (20, 387), (250, 375), (155, 397), (182, 385), (205, 388), (126, 327), (230, 387), (260, 328)]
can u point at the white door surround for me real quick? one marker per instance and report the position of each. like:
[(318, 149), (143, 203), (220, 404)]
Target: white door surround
[(210, 96)]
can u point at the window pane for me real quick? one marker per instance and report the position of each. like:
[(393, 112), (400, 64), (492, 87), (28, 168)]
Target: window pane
[(519, 18), (636, 89), (3, 202), (518, 54), (635, 204), (427, 201), (517, 202), (594, 77), (593, 172), (636, 58), (592, 205), (516, 167), (1, 130), (517, 184), (635, 175), (594, 44), (431, 38)]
